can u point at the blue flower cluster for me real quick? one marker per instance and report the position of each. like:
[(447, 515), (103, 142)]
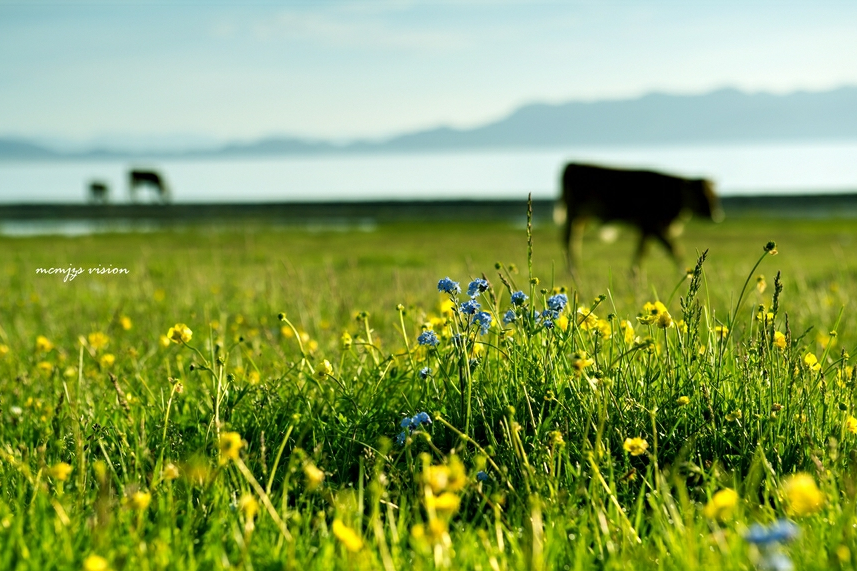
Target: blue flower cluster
[(428, 337), (477, 286), (470, 307), (411, 423), (425, 372), (483, 320), (557, 302), (481, 476), (509, 316), (769, 540), (518, 298), (781, 531), (446, 285)]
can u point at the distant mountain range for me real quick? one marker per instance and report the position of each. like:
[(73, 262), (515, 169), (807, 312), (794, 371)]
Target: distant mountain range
[(722, 116)]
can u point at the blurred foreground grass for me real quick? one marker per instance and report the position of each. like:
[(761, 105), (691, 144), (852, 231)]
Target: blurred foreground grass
[(575, 444)]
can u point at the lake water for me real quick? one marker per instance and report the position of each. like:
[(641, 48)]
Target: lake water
[(486, 174)]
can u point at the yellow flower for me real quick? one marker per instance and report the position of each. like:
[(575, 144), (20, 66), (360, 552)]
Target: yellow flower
[(586, 319), (179, 333), (230, 446), (347, 536), (43, 344), (447, 308), (125, 322), (561, 322), (4, 349), (735, 415), (811, 362), (314, 476), (802, 495), (450, 477), (248, 505), (779, 340), (44, 366), (98, 340), (107, 360), (635, 446), (604, 328), (171, 472), (580, 360), (164, 341), (445, 504), (761, 284), (722, 505), (324, 369), (683, 401), (851, 425), (652, 312), (95, 562), (254, 377), (59, 471), (345, 340), (140, 500), (627, 329), (664, 320), (721, 331)]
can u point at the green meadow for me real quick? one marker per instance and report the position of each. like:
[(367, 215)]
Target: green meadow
[(250, 397)]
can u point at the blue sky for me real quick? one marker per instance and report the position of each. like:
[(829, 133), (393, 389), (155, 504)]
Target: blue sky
[(343, 70)]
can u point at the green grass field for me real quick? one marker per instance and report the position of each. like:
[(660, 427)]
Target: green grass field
[(609, 434)]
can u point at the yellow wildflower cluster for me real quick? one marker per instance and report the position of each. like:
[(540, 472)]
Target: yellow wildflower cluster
[(324, 369), (98, 340), (179, 333), (43, 344), (580, 361), (588, 321), (635, 446), (347, 536), (314, 476), (802, 495), (779, 340), (441, 485), (655, 314), (230, 446), (811, 362), (722, 505), (851, 425), (59, 471), (139, 501)]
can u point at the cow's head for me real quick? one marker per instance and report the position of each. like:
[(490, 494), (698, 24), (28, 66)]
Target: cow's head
[(703, 201)]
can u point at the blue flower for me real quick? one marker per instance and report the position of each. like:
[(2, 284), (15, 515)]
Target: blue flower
[(550, 314), (446, 285), (401, 437), (781, 531), (483, 320), (548, 324), (482, 476), (428, 337), (477, 286), (425, 372), (406, 422), (519, 297), (470, 307), (558, 302), (421, 418), (509, 316)]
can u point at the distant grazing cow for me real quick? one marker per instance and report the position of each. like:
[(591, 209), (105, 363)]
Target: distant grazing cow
[(648, 200), (99, 192), (151, 179)]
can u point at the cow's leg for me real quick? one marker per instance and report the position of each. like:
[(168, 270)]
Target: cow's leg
[(672, 248), (640, 252), (575, 230)]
